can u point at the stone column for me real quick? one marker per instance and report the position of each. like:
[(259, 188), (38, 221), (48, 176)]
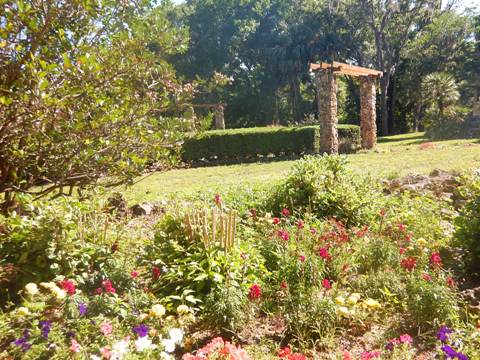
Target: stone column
[(327, 111), (368, 125), (219, 117)]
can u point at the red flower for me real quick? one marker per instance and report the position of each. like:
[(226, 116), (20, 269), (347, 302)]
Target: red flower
[(276, 221), (156, 272), (326, 284), (301, 258), (283, 353), (217, 199), (450, 282), (427, 277), (368, 355), (300, 224), (283, 284), (383, 212), (409, 263), (324, 254), (114, 248), (408, 238), (108, 287), (362, 232), (134, 274), (402, 227), (99, 291), (346, 355), (345, 267), (285, 212), (402, 250), (435, 260), (284, 235), (255, 292), (68, 286)]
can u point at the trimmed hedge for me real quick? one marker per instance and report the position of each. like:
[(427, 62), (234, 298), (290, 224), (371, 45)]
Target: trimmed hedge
[(250, 142)]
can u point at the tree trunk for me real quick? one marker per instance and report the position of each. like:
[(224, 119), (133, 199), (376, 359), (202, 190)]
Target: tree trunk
[(327, 109), (275, 110), (295, 96)]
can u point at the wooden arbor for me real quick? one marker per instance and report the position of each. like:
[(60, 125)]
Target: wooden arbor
[(327, 103)]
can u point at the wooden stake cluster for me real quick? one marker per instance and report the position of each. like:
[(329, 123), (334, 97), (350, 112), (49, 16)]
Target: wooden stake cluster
[(214, 227)]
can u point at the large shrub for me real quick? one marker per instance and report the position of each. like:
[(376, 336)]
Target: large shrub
[(250, 142), (324, 186), (467, 234)]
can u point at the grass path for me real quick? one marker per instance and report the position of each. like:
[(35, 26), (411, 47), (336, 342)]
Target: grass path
[(394, 156)]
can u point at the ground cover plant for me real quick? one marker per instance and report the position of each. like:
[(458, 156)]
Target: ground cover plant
[(312, 274)]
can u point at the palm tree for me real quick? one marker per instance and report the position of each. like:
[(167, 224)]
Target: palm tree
[(440, 91)]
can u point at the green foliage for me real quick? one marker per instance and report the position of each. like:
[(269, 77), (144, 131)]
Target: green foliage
[(248, 142), (467, 234), (86, 91), (325, 187)]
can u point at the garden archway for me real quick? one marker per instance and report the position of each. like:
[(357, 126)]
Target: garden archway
[(327, 103)]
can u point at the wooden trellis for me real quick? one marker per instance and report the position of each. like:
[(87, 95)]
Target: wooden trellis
[(215, 227)]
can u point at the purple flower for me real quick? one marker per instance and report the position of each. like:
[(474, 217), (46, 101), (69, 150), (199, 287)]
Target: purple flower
[(82, 309), (449, 352), (443, 332), (71, 334), (23, 341), (141, 330), (461, 356), (45, 327)]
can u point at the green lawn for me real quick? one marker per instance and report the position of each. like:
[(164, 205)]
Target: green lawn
[(394, 156)]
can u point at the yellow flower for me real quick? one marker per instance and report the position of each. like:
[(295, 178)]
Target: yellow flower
[(143, 317), (343, 311), (373, 304), (31, 289), (59, 293), (183, 309), (157, 310), (352, 300), (23, 311), (340, 300), (422, 242)]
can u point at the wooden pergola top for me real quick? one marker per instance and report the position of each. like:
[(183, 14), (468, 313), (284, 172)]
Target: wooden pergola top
[(345, 69)]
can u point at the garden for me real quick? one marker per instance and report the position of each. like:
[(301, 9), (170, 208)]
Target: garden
[(204, 180)]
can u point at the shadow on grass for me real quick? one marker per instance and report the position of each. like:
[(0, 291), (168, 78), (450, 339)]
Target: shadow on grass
[(419, 138)]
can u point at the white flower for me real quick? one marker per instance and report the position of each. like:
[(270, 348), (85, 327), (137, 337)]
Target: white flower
[(183, 309), (23, 311), (95, 357), (119, 350), (176, 335), (157, 310), (165, 356), (169, 345), (144, 343), (31, 288)]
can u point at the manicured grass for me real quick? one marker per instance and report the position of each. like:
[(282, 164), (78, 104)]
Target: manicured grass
[(394, 156)]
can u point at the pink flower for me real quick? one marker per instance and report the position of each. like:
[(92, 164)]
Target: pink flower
[(300, 224), (346, 355), (134, 274), (383, 212), (217, 199), (106, 328), (427, 277), (326, 284), (284, 235), (285, 212), (156, 272), (367, 355), (313, 231), (409, 263), (402, 227), (106, 353), (255, 292), (435, 259), (68, 286), (108, 287), (301, 258), (406, 339), (75, 346), (99, 291), (324, 254), (276, 221)]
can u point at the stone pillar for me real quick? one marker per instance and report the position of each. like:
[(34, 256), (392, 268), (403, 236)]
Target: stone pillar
[(368, 125), (219, 117), (327, 111)]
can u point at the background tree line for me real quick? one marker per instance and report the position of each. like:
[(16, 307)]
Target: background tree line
[(265, 48)]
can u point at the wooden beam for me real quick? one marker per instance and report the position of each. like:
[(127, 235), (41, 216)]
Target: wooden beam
[(346, 69)]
